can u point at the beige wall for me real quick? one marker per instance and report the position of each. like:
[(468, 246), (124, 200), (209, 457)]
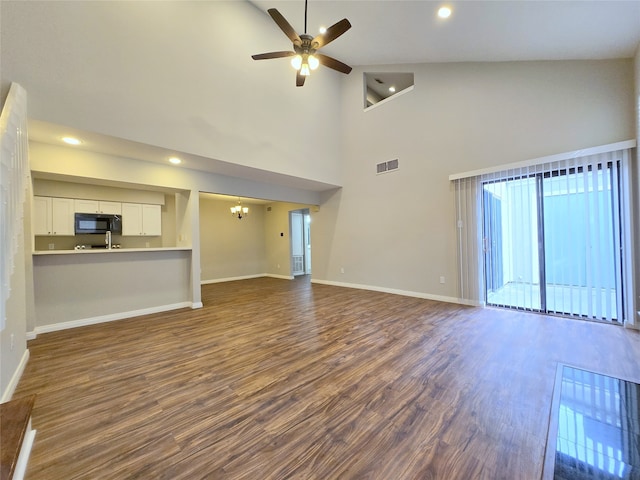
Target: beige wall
[(257, 245), (84, 288), (54, 188), (230, 248), (278, 237), (397, 230), (81, 166)]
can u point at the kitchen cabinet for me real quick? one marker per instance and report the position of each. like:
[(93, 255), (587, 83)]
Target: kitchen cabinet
[(141, 220), (95, 206), (53, 216)]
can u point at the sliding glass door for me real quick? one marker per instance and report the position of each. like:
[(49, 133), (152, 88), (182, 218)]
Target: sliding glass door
[(551, 241), (512, 272)]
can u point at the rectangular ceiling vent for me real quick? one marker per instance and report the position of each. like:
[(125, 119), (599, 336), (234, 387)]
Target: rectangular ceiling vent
[(386, 167)]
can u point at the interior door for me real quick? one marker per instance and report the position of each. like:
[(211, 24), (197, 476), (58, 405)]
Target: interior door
[(307, 242), (297, 243)]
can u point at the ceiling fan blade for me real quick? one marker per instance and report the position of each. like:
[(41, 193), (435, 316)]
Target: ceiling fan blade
[(333, 32), (333, 63), (299, 79), (285, 26), (264, 56)]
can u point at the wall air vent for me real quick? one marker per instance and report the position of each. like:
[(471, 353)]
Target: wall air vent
[(386, 167)]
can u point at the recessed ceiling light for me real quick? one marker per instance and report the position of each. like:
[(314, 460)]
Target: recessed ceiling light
[(175, 160), (71, 140), (392, 89), (444, 12)]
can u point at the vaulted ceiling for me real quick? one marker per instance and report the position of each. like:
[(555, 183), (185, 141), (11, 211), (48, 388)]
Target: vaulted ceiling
[(408, 31), (403, 32)]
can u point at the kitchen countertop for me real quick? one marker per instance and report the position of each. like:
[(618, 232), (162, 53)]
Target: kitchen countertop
[(106, 250)]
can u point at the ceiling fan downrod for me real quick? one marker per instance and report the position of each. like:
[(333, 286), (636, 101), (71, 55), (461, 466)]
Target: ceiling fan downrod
[(305, 16)]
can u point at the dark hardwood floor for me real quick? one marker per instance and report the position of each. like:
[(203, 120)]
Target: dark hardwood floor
[(278, 379)]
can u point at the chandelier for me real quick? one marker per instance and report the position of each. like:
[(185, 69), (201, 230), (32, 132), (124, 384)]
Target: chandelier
[(239, 211)]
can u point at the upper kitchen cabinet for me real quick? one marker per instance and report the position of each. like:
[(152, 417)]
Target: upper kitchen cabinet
[(95, 206), (53, 216), (141, 220)]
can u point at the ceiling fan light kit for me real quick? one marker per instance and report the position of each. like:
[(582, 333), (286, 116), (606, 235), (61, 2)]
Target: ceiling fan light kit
[(305, 47)]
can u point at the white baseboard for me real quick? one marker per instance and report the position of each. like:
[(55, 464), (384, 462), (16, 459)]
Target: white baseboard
[(25, 452), (109, 318), (195, 305), (232, 279), (246, 277), (31, 335), (15, 378), (406, 293), (281, 277)]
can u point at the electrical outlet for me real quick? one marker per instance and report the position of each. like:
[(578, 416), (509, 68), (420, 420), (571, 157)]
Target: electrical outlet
[(52, 246), (278, 266), (441, 279), (341, 269), (13, 342)]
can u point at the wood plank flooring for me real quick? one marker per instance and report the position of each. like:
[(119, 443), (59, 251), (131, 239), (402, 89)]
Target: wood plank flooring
[(277, 379), (14, 426)]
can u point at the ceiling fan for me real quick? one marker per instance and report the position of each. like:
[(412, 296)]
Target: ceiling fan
[(305, 47)]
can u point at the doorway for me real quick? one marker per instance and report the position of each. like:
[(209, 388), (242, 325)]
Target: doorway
[(300, 226)]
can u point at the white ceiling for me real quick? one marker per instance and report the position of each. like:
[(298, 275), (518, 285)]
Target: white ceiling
[(409, 31), (401, 31)]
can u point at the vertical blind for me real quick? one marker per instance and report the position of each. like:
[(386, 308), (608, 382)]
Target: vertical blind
[(547, 237)]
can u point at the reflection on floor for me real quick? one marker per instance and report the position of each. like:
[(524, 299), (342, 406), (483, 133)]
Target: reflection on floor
[(569, 299), (598, 427)]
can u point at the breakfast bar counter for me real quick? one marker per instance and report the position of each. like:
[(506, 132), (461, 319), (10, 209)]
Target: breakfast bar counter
[(81, 287), (106, 250)]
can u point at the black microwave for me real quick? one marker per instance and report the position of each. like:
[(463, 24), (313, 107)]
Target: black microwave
[(98, 223)]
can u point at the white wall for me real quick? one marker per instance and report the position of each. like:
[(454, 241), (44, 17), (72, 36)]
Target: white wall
[(19, 313), (177, 75), (18, 309), (397, 230)]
